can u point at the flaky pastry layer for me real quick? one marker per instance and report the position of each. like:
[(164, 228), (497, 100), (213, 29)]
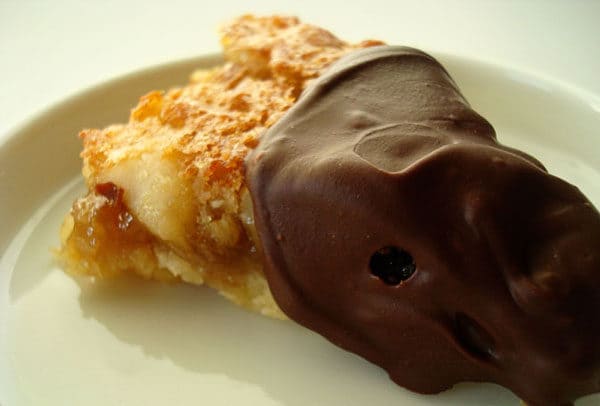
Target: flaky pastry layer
[(166, 191)]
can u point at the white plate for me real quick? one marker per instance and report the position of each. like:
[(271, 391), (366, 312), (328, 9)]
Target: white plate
[(140, 343)]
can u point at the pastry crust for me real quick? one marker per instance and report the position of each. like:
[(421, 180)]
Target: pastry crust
[(167, 198)]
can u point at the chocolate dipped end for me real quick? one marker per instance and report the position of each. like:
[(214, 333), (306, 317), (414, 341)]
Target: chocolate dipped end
[(394, 224)]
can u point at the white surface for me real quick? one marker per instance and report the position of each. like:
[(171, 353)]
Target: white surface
[(49, 49), (133, 343)]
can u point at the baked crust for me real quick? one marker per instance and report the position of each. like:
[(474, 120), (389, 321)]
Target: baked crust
[(167, 198)]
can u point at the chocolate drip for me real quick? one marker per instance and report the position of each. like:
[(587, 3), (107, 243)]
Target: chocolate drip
[(394, 224)]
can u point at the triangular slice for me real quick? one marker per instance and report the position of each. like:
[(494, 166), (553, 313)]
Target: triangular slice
[(391, 220)]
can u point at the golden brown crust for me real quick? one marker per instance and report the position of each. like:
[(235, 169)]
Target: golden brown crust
[(215, 119), (179, 159)]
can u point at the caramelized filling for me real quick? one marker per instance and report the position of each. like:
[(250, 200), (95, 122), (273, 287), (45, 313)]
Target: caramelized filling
[(103, 238)]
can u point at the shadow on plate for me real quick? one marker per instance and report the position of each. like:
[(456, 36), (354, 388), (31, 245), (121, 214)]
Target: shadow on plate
[(201, 332)]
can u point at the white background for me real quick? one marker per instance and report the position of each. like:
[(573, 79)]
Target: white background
[(51, 49)]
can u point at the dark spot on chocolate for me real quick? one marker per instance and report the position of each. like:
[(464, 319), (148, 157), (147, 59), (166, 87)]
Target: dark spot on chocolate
[(474, 338), (392, 265)]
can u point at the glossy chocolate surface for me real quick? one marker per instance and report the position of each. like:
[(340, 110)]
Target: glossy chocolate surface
[(394, 224)]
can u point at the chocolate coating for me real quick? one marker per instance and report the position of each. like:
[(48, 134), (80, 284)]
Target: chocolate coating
[(383, 152)]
